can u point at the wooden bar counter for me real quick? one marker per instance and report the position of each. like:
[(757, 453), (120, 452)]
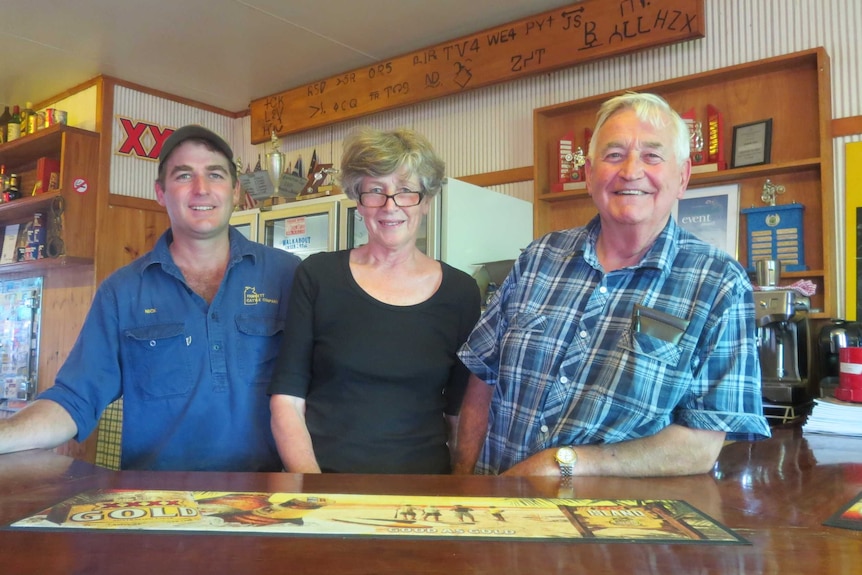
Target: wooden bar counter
[(774, 493)]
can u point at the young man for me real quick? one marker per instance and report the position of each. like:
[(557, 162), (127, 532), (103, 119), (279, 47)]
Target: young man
[(186, 334), (626, 347)]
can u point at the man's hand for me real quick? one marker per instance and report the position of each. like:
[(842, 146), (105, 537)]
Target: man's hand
[(673, 451), (541, 463)]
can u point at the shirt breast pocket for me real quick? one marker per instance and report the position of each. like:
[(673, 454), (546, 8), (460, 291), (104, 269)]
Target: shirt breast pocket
[(526, 344), (157, 355), (656, 378), (664, 352), (259, 342)]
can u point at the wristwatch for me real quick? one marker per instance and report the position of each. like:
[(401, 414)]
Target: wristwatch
[(566, 459)]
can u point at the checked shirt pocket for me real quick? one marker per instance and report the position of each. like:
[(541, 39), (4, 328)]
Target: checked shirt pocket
[(657, 349), (527, 345)]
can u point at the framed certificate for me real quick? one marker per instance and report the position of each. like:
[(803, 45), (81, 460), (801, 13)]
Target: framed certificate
[(752, 144)]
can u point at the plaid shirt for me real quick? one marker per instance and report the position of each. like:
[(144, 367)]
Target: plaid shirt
[(569, 366)]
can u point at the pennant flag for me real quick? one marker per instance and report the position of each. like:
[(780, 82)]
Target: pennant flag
[(313, 164)]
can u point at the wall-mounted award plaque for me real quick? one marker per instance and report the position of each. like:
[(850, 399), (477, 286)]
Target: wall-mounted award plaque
[(775, 233)]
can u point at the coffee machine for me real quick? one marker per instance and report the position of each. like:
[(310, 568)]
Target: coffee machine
[(781, 317)]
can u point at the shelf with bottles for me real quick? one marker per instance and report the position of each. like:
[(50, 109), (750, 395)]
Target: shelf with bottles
[(23, 120), (45, 142), (69, 201)]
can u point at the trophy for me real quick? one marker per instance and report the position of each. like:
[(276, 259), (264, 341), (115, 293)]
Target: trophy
[(695, 137), (696, 144), (565, 147), (715, 137), (314, 187), (769, 191), (705, 156), (570, 165)]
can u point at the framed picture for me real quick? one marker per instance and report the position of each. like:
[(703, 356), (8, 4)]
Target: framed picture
[(752, 144), (712, 214)]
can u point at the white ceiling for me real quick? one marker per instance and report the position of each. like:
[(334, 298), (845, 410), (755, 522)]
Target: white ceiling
[(224, 53)]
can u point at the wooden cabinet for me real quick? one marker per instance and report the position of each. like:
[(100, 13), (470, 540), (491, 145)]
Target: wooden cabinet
[(793, 90), (68, 279), (72, 205)]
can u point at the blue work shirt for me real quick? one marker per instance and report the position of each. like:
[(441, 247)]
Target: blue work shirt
[(193, 375)]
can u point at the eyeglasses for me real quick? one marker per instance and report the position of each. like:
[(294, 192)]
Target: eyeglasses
[(403, 199)]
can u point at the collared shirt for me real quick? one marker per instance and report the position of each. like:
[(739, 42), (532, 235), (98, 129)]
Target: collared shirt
[(193, 375), (570, 366)]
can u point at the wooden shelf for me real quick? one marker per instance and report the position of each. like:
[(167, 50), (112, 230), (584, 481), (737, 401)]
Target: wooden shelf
[(41, 265), (764, 171), (68, 280), (794, 90), (803, 274), (25, 207), (47, 142), (719, 177), (77, 152)]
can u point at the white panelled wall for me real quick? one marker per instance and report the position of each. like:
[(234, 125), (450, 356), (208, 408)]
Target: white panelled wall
[(129, 176), (490, 129)]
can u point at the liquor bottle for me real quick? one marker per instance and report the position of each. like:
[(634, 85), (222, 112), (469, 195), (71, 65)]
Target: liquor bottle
[(4, 181), (13, 131), (4, 125), (12, 192), (28, 119)]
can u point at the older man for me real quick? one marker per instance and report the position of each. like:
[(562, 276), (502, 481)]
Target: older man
[(626, 347)]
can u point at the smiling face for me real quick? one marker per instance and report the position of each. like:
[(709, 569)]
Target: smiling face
[(392, 226), (634, 177), (197, 191)]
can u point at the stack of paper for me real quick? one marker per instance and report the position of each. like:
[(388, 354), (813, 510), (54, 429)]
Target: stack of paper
[(830, 415)]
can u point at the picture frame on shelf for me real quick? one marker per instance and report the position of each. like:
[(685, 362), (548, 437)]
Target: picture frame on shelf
[(752, 144), (712, 214)]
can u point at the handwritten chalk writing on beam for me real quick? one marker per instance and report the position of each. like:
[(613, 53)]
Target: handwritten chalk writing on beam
[(559, 38)]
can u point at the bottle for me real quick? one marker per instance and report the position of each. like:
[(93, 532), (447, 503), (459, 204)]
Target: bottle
[(4, 125), (28, 119), (4, 182), (14, 128), (12, 192)]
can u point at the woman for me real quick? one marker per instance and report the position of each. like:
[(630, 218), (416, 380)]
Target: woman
[(367, 380)]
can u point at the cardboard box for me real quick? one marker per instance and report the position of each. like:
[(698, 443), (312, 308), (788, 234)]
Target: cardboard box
[(47, 175), (9, 251)]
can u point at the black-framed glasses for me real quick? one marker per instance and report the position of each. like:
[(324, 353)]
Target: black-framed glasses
[(404, 199)]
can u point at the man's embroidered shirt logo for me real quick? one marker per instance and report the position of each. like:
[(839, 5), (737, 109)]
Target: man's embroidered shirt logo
[(251, 297)]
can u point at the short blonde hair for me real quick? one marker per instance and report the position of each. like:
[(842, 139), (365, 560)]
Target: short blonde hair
[(375, 153)]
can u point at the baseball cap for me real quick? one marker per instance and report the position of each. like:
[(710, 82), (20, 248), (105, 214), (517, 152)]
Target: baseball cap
[(189, 132)]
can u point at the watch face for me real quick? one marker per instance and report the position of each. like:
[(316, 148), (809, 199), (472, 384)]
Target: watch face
[(566, 455)]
